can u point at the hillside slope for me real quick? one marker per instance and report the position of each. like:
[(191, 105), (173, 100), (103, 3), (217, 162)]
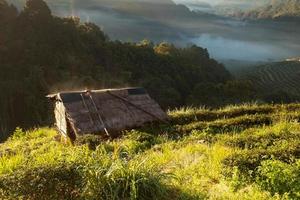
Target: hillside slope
[(243, 152), (280, 77), (276, 9)]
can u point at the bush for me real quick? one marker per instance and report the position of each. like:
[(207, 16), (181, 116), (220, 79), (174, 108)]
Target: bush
[(18, 133), (260, 141), (250, 159), (45, 182), (279, 177)]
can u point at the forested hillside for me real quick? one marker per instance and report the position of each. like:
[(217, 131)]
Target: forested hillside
[(41, 53), (277, 9)]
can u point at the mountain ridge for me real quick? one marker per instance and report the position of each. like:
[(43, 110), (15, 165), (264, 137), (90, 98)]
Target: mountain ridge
[(276, 10)]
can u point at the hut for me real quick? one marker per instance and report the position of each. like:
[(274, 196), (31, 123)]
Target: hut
[(104, 111)]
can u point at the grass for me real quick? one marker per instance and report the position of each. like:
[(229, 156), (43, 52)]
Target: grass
[(238, 152)]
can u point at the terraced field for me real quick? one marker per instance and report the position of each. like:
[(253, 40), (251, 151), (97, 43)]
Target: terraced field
[(234, 153), (284, 76)]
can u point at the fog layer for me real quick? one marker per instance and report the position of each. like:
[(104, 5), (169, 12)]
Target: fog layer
[(164, 20)]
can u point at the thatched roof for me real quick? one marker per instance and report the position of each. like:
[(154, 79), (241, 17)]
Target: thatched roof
[(107, 111)]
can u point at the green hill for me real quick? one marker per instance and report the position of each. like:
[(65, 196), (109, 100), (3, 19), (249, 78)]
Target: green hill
[(281, 78), (237, 152)]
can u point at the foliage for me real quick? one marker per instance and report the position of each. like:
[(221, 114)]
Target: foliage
[(276, 9), (280, 177), (40, 183), (232, 92)]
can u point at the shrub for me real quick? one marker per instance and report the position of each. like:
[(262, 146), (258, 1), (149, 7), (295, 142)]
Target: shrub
[(18, 133), (237, 179), (45, 182), (250, 159), (279, 177), (246, 141)]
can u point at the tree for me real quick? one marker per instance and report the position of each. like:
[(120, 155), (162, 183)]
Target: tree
[(145, 43), (8, 14), (165, 48), (37, 9)]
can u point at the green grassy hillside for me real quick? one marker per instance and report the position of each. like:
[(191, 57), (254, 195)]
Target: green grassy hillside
[(276, 78), (238, 152)]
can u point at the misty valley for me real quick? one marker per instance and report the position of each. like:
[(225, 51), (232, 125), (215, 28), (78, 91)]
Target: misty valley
[(225, 76)]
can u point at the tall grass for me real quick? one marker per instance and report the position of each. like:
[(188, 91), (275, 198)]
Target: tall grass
[(239, 152)]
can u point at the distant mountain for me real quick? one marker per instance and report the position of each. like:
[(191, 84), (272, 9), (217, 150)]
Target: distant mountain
[(293, 59), (221, 7), (163, 11), (231, 7), (196, 5), (277, 9)]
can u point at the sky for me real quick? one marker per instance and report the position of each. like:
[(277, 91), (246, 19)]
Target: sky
[(163, 20)]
